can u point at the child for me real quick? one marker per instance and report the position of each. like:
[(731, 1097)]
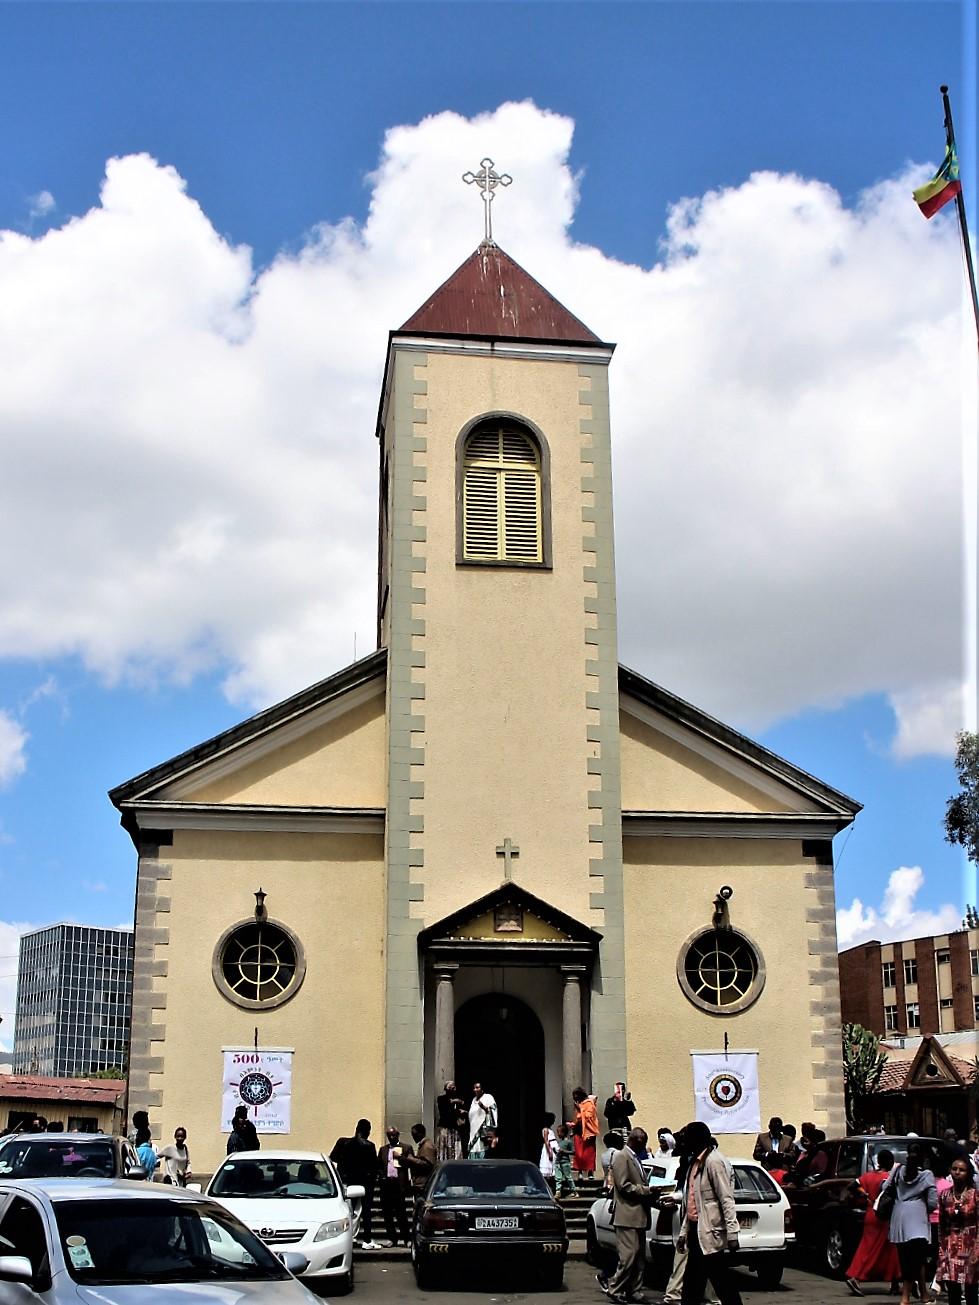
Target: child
[(563, 1153)]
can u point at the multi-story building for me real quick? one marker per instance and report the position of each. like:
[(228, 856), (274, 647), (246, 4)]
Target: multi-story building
[(919, 986), (74, 997)]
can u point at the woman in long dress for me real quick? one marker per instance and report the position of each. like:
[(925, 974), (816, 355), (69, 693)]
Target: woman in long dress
[(450, 1132), (584, 1128), (548, 1149), (958, 1236), (482, 1117), (876, 1256)]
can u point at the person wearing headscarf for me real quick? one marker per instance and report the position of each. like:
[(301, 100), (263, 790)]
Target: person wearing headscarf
[(451, 1123)]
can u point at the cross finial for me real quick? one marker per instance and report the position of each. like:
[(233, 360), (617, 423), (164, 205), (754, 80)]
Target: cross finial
[(487, 179), (508, 850)]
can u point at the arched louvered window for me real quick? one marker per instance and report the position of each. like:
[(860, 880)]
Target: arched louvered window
[(501, 495)]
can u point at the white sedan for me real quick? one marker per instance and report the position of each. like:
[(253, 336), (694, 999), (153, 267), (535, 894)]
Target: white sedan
[(294, 1200), (80, 1241), (764, 1218)]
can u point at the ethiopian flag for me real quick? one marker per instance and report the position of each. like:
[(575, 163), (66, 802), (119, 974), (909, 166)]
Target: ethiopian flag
[(944, 185)]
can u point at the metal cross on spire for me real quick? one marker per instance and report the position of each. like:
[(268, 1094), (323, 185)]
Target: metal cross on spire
[(487, 179)]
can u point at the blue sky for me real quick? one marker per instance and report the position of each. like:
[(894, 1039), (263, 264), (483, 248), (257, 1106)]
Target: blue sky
[(278, 119)]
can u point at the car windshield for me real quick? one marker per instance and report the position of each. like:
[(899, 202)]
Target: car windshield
[(150, 1240), (481, 1179), (36, 1157), (301, 1179)]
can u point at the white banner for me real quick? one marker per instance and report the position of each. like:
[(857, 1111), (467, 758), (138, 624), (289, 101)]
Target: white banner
[(262, 1081), (725, 1090)]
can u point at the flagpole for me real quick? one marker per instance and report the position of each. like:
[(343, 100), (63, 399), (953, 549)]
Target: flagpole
[(960, 206)]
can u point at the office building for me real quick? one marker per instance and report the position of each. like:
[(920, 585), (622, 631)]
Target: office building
[(919, 986), (74, 996)]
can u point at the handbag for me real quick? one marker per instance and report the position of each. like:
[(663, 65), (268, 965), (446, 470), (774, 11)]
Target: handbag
[(884, 1205)]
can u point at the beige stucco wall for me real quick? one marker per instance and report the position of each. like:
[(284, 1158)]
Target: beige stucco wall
[(670, 885), (329, 889), (339, 763), (505, 683), (660, 774), (108, 1119)]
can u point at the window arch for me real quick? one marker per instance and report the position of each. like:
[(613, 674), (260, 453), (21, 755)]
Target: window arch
[(502, 494)]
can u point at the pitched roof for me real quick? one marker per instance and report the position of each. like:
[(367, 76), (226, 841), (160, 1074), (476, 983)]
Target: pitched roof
[(685, 713), (357, 673), (73, 1091), (931, 1066), (492, 297)]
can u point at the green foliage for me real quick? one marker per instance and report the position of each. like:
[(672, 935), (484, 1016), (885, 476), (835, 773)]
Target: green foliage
[(863, 1065), (113, 1072), (962, 811)]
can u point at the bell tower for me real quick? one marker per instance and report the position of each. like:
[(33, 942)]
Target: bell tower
[(496, 603)]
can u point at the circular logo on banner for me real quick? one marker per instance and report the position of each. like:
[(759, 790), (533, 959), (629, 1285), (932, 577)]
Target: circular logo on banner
[(725, 1091), (255, 1088)]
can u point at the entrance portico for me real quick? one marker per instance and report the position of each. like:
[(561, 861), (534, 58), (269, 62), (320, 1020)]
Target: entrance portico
[(509, 951)]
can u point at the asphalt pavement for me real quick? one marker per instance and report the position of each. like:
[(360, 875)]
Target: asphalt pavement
[(379, 1281)]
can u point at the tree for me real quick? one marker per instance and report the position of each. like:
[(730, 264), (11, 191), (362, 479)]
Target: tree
[(962, 811), (113, 1071), (863, 1065)]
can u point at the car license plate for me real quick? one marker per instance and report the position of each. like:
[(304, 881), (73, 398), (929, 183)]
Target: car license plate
[(747, 1220), (496, 1223)]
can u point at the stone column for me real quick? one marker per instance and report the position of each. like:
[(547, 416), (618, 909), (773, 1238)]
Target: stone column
[(571, 1041), (445, 1011)]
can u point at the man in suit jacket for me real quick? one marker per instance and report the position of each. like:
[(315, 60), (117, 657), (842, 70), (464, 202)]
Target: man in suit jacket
[(392, 1172), (773, 1140), (423, 1161), (633, 1200), (709, 1220)]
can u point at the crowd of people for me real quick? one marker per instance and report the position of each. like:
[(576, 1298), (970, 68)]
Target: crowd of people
[(921, 1223)]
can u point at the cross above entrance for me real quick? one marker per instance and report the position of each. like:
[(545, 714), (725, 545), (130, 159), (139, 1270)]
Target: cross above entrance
[(508, 850)]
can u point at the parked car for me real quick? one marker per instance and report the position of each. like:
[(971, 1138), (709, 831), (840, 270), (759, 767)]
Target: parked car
[(764, 1218), (473, 1210), (84, 1241), (68, 1155), (828, 1212), (294, 1199)]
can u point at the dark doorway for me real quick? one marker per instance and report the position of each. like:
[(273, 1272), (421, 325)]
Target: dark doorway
[(499, 1043)]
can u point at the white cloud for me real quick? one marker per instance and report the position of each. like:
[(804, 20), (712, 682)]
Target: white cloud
[(41, 204), (189, 456), (896, 917), (13, 742), (9, 943), (928, 719)]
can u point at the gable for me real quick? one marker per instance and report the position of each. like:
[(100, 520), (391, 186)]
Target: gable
[(677, 761), (338, 761), (664, 771), (509, 916), (933, 1067)]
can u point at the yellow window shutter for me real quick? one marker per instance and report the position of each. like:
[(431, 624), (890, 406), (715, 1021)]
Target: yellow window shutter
[(481, 512), (521, 515)]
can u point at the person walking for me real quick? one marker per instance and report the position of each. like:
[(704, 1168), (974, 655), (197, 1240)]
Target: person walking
[(563, 1155), (584, 1127), (393, 1174), (451, 1123), (244, 1134), (619, 1109), (631, 1216), (483, 1116), (958, 1236), (915, 1197), (356, 1161), (875, 1259), (674, 1286), (176, 1160), (548, 1149), (146, 1152), (709, 1228)]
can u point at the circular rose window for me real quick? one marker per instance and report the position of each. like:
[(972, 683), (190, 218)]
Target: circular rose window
[(258, 964), (721, 971)]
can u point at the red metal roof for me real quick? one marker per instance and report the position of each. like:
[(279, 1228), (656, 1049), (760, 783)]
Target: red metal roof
[(79, 1091), (491, 296)]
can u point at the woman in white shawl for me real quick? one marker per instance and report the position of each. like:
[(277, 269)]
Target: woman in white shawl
[(482, 1115)]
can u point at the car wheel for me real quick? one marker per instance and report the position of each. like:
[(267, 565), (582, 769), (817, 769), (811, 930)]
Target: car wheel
[(593, 1252), (343, 1285), (659, 1266), (834, 1252), (552, 1276), (770, 1274)]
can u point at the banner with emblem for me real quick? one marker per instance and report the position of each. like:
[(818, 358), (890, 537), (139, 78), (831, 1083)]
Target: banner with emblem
[(260, 1079), (725, 1090)]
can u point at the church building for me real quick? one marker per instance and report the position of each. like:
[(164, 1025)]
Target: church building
[(486, 851)]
